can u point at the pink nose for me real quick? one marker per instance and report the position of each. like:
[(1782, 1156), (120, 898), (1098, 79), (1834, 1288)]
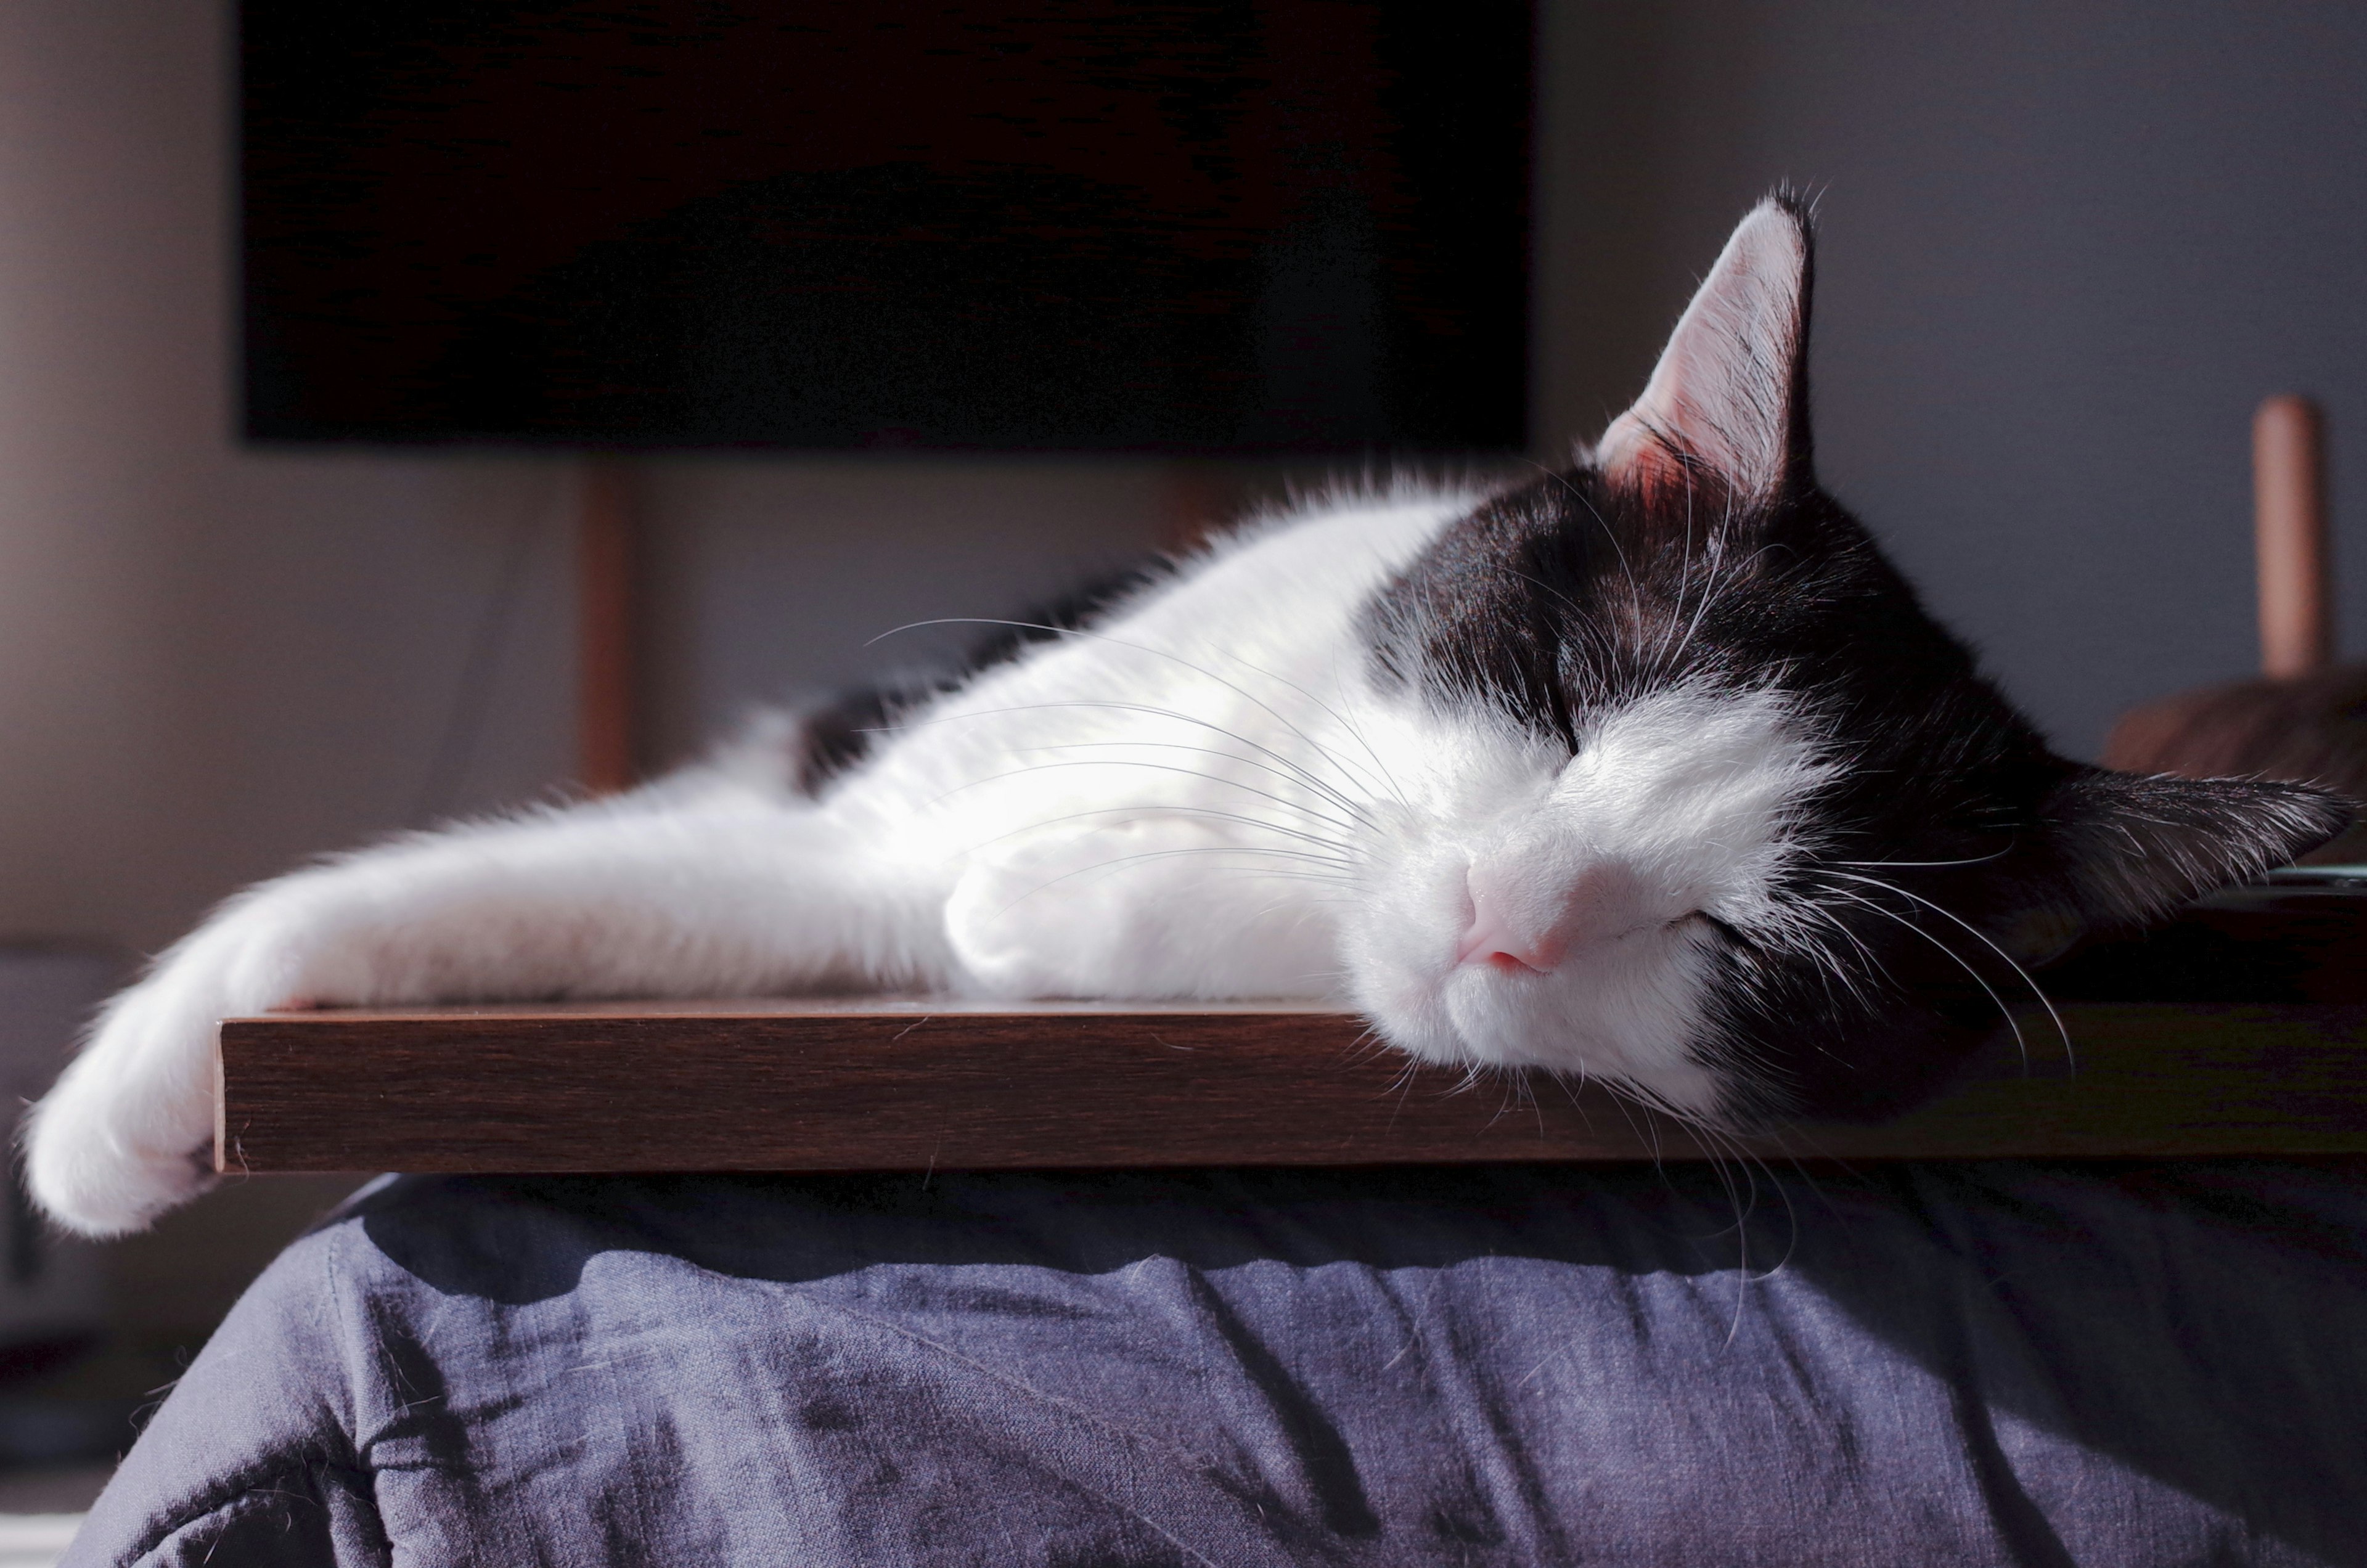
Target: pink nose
[(1489, 942), (1508, 936), (1498, 940)]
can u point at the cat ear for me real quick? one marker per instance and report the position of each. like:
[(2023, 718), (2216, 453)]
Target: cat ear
[(1729, 398), (2135, 846)]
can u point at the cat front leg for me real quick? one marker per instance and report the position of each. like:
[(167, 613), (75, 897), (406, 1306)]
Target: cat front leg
[(1162, 905), (598, 901)]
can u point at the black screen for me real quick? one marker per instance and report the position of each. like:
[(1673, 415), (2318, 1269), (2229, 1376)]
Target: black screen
[(1298, 225)]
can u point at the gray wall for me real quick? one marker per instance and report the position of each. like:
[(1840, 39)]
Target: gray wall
[(212, 660), (2064, 249)]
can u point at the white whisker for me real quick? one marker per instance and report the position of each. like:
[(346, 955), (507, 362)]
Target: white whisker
[(1982, 937), (1140, 647), (2020, 1045), (1140, 813), (1295, 771), (1116, 763)]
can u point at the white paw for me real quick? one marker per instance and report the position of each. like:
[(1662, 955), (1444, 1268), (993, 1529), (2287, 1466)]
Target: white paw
[(128, 1130), (89, 1180)]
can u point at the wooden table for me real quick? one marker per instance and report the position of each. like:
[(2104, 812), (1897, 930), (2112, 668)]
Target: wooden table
[(2239, 1029)]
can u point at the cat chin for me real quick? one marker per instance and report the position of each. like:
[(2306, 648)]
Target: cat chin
[(1626, 1015)]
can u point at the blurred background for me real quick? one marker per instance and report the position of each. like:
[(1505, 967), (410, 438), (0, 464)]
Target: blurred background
[(2065, 248)]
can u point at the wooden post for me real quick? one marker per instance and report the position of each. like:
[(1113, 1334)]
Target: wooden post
[(608, 546), (2289, 532)]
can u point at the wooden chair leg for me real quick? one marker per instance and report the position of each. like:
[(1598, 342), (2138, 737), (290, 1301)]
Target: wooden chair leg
[(608, 717)]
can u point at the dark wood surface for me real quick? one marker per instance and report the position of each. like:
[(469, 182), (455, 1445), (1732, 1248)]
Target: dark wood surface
[(898, 1085), (2241, 1029)]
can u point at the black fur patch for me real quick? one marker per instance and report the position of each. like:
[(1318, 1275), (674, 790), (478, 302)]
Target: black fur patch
[(1949, 833)]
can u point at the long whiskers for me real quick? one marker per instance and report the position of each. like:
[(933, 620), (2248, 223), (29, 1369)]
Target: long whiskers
[(1343, 852), (1395, 790), (1294, 769), (1079, 632), (1975, 859), (1341, 822), (1983, 938), (1334, 878), (1282, 801), (1734, 1164), (2004, 1011)]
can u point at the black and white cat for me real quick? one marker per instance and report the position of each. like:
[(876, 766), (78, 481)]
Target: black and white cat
[(1653, 771)]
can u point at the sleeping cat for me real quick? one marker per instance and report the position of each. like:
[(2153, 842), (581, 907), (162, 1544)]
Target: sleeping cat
[(1652, 771)]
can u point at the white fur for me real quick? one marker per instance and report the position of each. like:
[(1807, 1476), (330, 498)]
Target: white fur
[(1207, 798), (1674, 807)]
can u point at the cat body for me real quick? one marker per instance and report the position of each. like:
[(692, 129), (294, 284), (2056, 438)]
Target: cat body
[(1652, 771)]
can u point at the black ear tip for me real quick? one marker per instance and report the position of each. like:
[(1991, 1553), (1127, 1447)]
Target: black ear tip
[(2297, 816), (1797, 205), (2321, 815), (2137, 844)]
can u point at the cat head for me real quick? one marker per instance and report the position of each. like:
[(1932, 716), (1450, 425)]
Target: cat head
[(1690, 794)]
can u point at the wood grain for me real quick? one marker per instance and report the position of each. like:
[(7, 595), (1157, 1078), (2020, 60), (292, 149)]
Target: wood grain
[(2239, 1029), (904, 1085)]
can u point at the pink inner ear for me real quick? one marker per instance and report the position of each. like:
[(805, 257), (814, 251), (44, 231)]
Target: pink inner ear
[(1640, 460), (1722, 393)]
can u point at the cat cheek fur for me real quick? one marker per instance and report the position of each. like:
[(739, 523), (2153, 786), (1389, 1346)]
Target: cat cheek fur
[(1593, 868)]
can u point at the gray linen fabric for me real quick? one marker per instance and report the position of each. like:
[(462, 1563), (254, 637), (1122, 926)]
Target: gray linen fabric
[(1943, 1364)]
